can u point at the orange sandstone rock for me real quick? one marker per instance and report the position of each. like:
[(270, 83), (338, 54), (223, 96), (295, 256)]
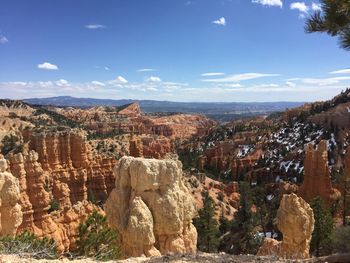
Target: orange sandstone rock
[(295, 219), (317, 177)]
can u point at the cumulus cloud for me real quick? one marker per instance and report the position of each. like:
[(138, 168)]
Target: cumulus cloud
[(47, 66), (153, 79), (3, 39), (97, 83), (300, 6), (269, 2), (121, 80), (62, 83), (211, 74), (221, 21), (95, 26), (342, 71), (240, 77)]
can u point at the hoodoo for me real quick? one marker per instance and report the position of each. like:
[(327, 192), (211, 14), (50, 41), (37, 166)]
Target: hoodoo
[(151, 208)]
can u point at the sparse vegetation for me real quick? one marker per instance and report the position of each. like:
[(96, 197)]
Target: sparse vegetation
[(54, 205), (97, 240), (27, 244), (11, 143)]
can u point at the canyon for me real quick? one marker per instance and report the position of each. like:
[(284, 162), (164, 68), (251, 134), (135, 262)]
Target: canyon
[(148, 172)]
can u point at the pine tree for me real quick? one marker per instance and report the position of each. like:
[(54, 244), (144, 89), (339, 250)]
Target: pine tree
[(97, 240), (242, 238), (321, 236), (207, 226), (333, 19)]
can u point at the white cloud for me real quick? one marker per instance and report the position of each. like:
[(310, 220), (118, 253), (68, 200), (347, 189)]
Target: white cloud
[(301, 6), (146, 70), (322, 81), (342, 71), (62, 83), (221, 21), (316, 7), (153, 79), (97, 83), (3, 39), (269, 2), (95, 26), (290, 84), (240, 77), (120, 80), (210, 74), (47, 66)]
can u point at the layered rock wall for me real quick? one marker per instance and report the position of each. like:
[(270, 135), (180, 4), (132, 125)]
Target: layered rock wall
[(59, 173), (151, 208)]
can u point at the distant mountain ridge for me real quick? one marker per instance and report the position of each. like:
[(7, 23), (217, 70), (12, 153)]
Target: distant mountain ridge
[(218, 110)]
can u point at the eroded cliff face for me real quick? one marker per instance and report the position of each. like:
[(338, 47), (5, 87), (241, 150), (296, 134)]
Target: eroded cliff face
[(295, 219), (151, 208), (317, 177), (59, 169), (10, 209)]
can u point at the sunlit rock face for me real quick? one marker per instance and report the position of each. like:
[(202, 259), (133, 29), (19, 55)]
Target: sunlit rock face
[(59, 168), (10, 209), (295, 219), (317, 177), (151, 208)]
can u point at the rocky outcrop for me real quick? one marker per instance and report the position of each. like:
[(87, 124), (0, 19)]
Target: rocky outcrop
[(131, 110), (10, 209), (295, 219), (317, 177), (150, 146), (37, 191), (59, 173), (151, 208), (73, 168)]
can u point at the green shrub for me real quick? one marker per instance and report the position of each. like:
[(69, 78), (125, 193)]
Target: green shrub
[(341, 240), (27, 244), (11, 143), (97, 240), (54, 205)]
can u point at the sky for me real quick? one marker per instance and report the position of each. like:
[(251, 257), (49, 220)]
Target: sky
[(176, 50)]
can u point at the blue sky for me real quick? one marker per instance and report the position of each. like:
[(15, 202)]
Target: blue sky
[(198, 50)]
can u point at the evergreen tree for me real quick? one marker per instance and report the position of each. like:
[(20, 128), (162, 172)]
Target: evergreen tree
[(97, 240), (333, 19), (321, 236), (225, 224), (242, 238), (207, 226), (11, 143)]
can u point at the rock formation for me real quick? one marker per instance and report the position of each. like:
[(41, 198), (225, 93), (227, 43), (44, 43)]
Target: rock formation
[(10, 210), (317, 177), (37, 191), (59, 169), (151, 208), (295, 219)]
